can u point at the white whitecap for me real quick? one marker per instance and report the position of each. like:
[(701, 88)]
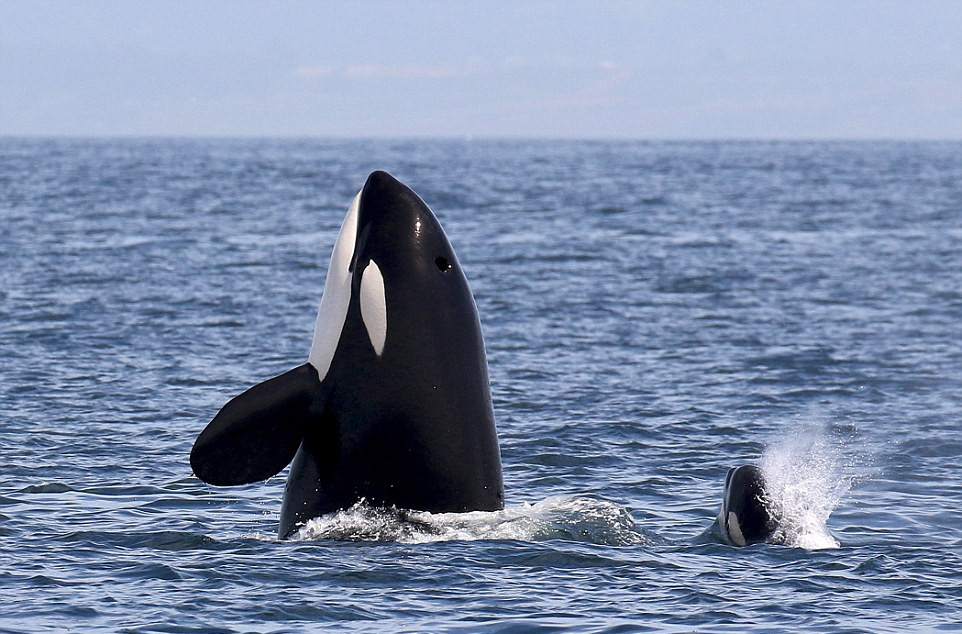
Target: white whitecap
[(570, 518), (805, 482)]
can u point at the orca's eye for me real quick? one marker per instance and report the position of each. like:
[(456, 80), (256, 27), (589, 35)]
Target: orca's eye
[(442, 263)]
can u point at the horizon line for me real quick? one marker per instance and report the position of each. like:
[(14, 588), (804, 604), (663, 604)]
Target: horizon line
[(468, 138)]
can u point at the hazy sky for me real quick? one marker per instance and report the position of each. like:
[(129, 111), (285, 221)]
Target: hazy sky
[(839, 69)]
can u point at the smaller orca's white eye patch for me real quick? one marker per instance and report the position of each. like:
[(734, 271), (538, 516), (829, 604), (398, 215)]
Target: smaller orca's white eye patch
[(735, 530), (374, 306)]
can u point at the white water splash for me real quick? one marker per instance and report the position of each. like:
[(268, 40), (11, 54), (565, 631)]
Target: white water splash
[(574, 518), (805, 484)]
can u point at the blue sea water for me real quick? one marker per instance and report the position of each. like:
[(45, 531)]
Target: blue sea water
[(654, 313)]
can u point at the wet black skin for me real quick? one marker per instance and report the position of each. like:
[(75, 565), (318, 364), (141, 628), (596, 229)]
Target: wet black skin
[(412, 428), (745, 495)]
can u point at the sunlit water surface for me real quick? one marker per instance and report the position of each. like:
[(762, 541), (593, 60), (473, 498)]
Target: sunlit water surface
[(654, 313)]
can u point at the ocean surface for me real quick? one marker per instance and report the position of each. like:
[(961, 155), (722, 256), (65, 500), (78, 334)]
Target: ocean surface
[(654, 314)]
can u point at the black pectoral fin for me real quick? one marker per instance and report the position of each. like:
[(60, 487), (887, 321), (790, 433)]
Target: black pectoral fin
[(257, 433)]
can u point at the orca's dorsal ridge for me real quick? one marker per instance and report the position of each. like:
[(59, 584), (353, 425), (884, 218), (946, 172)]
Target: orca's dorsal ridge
[(393, 405)]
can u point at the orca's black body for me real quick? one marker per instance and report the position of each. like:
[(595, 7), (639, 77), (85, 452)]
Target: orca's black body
[(747, 515), (393, 406)]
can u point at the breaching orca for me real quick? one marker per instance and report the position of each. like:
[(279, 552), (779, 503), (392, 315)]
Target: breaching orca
[(746, 516), (393, 405)]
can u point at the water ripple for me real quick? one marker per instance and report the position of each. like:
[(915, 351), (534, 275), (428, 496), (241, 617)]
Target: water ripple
[(654, 314)]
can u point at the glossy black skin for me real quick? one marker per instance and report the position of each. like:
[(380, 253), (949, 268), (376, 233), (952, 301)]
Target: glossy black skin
[(413, 428), (745, 495), (254, 436)]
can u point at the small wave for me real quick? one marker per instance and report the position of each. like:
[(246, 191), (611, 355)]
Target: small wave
[(47, 487), (805, 485), (572, 518)]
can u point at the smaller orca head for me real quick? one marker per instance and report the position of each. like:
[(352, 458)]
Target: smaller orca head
[(746, 516)]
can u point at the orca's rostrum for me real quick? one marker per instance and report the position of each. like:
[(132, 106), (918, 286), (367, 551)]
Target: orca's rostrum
[(393, 405)]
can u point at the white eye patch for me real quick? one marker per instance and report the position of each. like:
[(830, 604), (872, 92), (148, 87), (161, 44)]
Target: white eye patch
[(374, 306), (735, 530)]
